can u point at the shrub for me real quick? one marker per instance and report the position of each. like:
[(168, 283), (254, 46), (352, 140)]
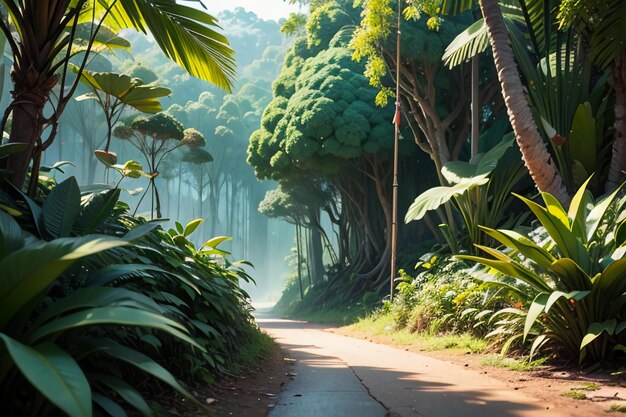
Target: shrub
[(573, 275)]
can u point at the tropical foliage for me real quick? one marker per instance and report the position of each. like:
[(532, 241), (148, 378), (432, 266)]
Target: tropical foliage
[(77, 323), (573, 271)]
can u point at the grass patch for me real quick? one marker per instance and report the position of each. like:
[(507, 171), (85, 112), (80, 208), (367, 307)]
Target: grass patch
[(259, 346), (576, 395), (340, 317), (589, 386), (511, 363), (382, 327), (617, 408)]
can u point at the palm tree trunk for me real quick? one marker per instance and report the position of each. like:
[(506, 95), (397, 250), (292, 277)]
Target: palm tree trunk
[(534, 152), (618, 157)]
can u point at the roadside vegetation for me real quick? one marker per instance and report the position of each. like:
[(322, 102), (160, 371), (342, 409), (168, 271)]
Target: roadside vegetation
[(126, 160), (120, 293), (514, 214)]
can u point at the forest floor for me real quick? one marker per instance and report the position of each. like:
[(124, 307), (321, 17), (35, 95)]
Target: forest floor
[(252, 395)]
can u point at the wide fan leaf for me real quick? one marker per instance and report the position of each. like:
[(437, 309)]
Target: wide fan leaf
[(61, 208), (27, 272), (141, 361), (435, 197), (10, 235), (54, 373), (96, 208), (126, 391), (125, 316)]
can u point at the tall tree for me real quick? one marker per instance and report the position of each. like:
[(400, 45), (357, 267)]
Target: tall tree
[(43, 36)]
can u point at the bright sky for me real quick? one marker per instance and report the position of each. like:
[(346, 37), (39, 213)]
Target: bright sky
[(265, 9)]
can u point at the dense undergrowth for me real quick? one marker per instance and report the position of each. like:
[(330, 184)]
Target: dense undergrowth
[(101, 310), (554, 290)]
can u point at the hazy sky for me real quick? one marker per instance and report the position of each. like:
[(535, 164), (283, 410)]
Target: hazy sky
[(266, 9)]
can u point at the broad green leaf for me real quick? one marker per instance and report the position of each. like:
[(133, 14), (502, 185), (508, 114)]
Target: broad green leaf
[(11, 148), (595, 330), (54, 373), (104, 40), (506, 311), (458, 171), (620, 234), (557, 225), (108, 274), (95, 297), (582, 137), (192, 226), (61, 208), (611, 282), (124, 316), (490, 159), (127, 90), (510, 269), (10, 235), (29, 271), (435, 197), (573, 295), (108, 405), (577, 212), (216, 241), (598, 212), (142, 230), (536, 308), (126, 391), (522, 244), (141, 361), (537, 344), (555, 210), (95, 188), (95, 209), (571, 274), (621, 326)]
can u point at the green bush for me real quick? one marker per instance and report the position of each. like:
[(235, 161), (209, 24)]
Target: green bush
[(435, 300), (571, 272), (93, 299)]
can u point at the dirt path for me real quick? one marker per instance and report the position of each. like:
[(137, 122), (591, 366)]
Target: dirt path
[(338, 376)]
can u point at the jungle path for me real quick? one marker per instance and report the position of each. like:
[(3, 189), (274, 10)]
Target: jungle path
[(338, 376)]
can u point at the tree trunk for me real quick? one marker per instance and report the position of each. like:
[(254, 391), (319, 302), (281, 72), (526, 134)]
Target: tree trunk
[(25, 128), (618, 157), (534, 152)]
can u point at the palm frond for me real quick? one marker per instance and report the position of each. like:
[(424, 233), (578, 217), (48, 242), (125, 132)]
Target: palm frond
[(454, 7), (186, 35), (472, 41), (608, 39)]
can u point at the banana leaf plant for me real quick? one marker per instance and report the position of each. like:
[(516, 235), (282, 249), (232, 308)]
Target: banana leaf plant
[(479, 188), (573, 275)]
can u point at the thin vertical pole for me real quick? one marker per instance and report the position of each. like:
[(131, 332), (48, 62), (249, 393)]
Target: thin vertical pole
[(396, 122), (475, 106)]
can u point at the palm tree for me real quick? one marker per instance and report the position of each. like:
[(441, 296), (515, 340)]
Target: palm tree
[(536, 157), (44, 35)]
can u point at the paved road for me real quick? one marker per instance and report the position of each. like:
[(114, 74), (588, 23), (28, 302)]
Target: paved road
[(338, 376)]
